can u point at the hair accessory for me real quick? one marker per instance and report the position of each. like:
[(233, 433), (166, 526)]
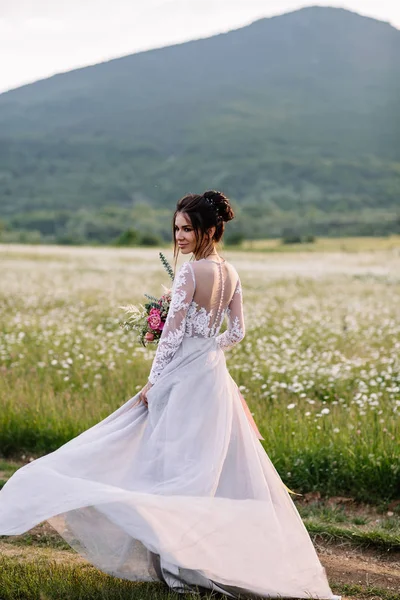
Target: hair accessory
[(211, 202)]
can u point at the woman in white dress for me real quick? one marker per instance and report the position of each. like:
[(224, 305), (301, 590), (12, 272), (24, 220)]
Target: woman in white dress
[(175, 485)]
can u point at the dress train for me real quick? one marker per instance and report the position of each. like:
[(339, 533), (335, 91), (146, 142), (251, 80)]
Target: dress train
[(181, 491)]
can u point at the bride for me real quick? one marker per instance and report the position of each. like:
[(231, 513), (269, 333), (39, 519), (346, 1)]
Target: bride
[(175, 486)]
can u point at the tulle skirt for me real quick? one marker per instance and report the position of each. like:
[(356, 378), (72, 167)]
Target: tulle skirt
[(180, 492)]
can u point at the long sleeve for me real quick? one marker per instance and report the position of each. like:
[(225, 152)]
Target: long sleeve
[(236, 328), (174, 328)]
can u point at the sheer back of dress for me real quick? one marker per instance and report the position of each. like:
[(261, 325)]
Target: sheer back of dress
[(204, 291), (215, 284)]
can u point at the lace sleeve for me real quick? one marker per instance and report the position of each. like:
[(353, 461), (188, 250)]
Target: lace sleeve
[(174, 328), (236, 328)]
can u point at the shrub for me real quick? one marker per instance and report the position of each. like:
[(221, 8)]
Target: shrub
[(290, 236), (150, 239), (129, 237), (236, 238)]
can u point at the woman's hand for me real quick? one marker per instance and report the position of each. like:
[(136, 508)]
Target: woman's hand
[(143, 394)]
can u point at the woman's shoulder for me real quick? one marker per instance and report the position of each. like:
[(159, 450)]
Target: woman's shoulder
[(184, 275), (232, 269), (204, 264), (204, 267)]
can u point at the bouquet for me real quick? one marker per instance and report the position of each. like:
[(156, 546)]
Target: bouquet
[(148, 319)]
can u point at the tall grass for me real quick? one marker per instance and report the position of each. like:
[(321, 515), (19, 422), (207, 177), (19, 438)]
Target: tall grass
[(319, 365), (39, 580)]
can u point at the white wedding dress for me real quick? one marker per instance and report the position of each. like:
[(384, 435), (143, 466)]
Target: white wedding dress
[(182, 491)]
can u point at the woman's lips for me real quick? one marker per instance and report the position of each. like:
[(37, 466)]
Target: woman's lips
[(182, 245)]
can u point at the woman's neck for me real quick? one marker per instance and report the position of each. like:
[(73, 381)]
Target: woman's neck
[(213, 254)]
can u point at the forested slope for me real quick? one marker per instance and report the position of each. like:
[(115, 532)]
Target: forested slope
[(296, 117)]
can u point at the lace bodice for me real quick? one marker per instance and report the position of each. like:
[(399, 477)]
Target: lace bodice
[(203, 292)]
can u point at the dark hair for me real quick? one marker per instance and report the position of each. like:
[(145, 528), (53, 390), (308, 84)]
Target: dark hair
[(212, 209)]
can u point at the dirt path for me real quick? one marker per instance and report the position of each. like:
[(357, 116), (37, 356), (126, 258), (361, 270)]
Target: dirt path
[(367, 568)]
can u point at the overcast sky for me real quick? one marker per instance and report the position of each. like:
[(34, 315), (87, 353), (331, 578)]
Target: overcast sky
[(41, 37)]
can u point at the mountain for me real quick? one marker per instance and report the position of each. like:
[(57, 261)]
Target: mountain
[(296, 117)]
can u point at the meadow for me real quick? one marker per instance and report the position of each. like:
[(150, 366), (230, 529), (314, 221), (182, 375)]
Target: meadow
[(319, 366)]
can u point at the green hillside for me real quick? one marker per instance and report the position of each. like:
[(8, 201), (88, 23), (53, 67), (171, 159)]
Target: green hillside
[(296, 117)]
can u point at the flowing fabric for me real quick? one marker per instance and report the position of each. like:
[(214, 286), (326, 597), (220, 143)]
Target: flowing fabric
[(182, 491)]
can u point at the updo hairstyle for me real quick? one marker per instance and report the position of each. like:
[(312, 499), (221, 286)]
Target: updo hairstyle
[(211, 209)]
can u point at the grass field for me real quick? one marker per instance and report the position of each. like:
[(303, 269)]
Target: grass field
[(319, 365), (350, 244)]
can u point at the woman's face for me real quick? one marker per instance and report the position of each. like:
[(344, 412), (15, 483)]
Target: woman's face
[(184, 233)]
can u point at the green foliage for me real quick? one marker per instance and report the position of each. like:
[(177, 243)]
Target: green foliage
[(154, 302), (236, 238), (130, 237), (3, 227), (291, 236), (375, 537), (294, 131), (150, 239), (51, 580), (167, 266), (309, 239), (359, 592)]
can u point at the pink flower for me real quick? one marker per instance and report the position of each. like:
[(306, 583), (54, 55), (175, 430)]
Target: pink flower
[(149, 337), (154, 319)]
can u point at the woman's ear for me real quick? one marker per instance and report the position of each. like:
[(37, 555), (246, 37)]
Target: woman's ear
[(211, 232)]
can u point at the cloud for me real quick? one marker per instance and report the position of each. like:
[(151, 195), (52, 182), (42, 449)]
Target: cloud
[(44, 37), (43, 25)]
